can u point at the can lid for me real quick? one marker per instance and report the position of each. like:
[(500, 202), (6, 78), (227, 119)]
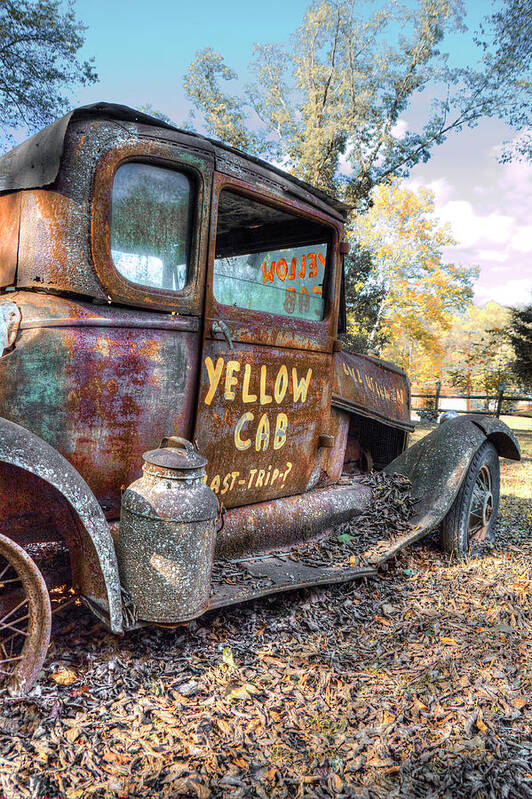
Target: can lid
[(176, 453)]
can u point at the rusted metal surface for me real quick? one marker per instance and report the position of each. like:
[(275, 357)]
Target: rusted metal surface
[(9, 227), (166, 538), (264, 395), (35, 163), (330, 461), (199, 166), (33, 511), (260, 175), (277, 410), (88, 536), (64, 235), (25, 618), (101, 384), (367, 386), (500, 435), (261, 449), (277, 574)]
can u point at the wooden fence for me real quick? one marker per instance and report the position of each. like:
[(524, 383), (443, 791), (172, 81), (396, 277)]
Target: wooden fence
[(498, 399)]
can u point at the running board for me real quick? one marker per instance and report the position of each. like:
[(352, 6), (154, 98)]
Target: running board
[(322, 562), (272, 574), (244, 579)]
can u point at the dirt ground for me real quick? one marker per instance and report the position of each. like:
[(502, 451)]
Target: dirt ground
[(417, 683)]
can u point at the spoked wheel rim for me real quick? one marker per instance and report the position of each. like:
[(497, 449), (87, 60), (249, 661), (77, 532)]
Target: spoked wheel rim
[(481, 509), (25, 618)]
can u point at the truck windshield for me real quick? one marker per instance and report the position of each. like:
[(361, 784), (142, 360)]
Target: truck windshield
[(150, 225), (269, 260)]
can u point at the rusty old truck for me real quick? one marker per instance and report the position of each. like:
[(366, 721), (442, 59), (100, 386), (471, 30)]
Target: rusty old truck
[(174, 395)]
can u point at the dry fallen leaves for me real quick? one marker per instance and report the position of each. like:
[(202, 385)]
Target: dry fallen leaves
[(64, 676), (406, 685)]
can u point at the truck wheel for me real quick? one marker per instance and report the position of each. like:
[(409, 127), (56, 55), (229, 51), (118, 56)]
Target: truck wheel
[(471, 521), (25, 618)]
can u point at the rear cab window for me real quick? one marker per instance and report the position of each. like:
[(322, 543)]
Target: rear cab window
[(269, 260), (151, 217)]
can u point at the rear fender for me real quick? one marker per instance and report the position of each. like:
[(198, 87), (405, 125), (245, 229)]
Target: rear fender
[(94, 563), (437, 464)]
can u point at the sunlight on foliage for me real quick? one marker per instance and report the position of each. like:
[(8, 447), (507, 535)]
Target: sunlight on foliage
[(420, 291)]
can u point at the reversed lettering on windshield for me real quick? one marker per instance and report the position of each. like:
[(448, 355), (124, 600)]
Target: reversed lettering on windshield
[(284, 281), (269, 259)]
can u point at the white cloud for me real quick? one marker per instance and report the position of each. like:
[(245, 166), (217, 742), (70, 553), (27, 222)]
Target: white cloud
[(522, 240), (491, 230), (501, 256), (513, 292), (399, 129), (441, 188), (488, 206), (470, 228)]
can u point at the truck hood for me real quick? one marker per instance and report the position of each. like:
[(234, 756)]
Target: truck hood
[(373, 388)]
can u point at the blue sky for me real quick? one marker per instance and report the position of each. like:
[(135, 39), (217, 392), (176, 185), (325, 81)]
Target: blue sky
[(142, 50)]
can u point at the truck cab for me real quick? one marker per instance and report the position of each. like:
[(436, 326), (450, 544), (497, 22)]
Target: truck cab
[(169, 285)]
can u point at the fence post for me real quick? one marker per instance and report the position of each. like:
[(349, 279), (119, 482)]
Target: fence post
[(499, 399), (437, 398)]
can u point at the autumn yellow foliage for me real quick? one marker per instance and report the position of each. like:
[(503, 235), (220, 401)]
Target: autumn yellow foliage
[(422, 291)]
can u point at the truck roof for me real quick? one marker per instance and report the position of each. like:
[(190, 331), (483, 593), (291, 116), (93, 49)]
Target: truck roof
[(35, 162)]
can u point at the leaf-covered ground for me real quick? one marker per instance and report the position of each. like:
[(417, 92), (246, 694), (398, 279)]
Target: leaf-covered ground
[(415, 684)]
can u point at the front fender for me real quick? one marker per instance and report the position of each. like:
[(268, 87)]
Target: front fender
[(500, 435), (99, 579), (437, 464)]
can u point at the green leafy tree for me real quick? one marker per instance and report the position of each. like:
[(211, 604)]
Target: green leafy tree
[(520, 336), (506, 39), (39, 44), (486, 364), (224, 114), (478, 352), (328, 104)]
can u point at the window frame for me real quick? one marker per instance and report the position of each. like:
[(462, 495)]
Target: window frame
[(256, 327), (198, 168), (325, 239)]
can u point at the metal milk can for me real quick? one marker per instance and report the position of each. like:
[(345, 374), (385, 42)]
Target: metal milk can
[(165, 543)]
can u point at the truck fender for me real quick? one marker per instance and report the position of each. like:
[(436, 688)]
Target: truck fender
[(437, 464), (90, 542)]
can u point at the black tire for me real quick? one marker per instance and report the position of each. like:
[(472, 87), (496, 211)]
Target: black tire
[(471, 520)]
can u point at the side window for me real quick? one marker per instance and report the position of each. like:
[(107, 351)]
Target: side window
[(150, 225), (269, 260)]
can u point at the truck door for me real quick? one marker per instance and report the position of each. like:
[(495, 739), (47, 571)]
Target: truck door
[(270, 319)]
